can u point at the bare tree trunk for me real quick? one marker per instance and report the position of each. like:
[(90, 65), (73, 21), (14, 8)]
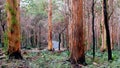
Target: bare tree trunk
[(50, 45), (59, 41), (112, 34), (107, 30), (93, 30), (0, 27), (63, 41), (88, 27), (76, 33), (13, 23), (103, 34)]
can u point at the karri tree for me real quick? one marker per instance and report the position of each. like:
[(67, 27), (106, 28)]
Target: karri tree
[(50, 46), (76, 38), (13, 25)]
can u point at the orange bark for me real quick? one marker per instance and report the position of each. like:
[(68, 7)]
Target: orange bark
[(76, 33), (50, 46), (13, 24)]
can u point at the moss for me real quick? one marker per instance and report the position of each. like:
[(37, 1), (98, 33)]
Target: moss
[(12, 12), (5, 41), (13, 20)]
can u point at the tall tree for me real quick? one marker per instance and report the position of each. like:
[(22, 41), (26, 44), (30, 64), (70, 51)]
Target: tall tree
[(13, 24), (111, 20), (107, 29), (103, 33), (50, 46), (93, 16), (76, 38)]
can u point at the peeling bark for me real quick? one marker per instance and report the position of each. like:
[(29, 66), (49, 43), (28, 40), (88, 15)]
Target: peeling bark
[(13, 24), (76, 38)]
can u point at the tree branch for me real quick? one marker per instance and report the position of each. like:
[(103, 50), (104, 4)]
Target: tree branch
[(110, 15)]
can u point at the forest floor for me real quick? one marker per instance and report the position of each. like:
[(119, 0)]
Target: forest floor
[(46, 59)]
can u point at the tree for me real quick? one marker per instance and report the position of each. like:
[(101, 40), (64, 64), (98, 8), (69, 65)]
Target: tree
[(111, 20), (13, 24), (50, 46), (93, 16), (107, 29), (103, 33), (76, 38)]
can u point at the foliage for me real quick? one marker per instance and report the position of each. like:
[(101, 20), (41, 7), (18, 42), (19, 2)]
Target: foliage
[(31, 6), (51, 60), (5, 42), (101, 60), (46, 59), (58, 60)]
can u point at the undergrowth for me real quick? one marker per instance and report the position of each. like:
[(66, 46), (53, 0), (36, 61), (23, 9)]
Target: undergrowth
[(47, 59)]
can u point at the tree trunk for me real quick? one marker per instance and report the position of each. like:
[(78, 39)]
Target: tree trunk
[(0, 39), (112, 33), (76, 33), (59, 41), (63, 41), (107, 29), (103, 34), (13, 23), (88, 27), (50, 46), (93, 15)]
